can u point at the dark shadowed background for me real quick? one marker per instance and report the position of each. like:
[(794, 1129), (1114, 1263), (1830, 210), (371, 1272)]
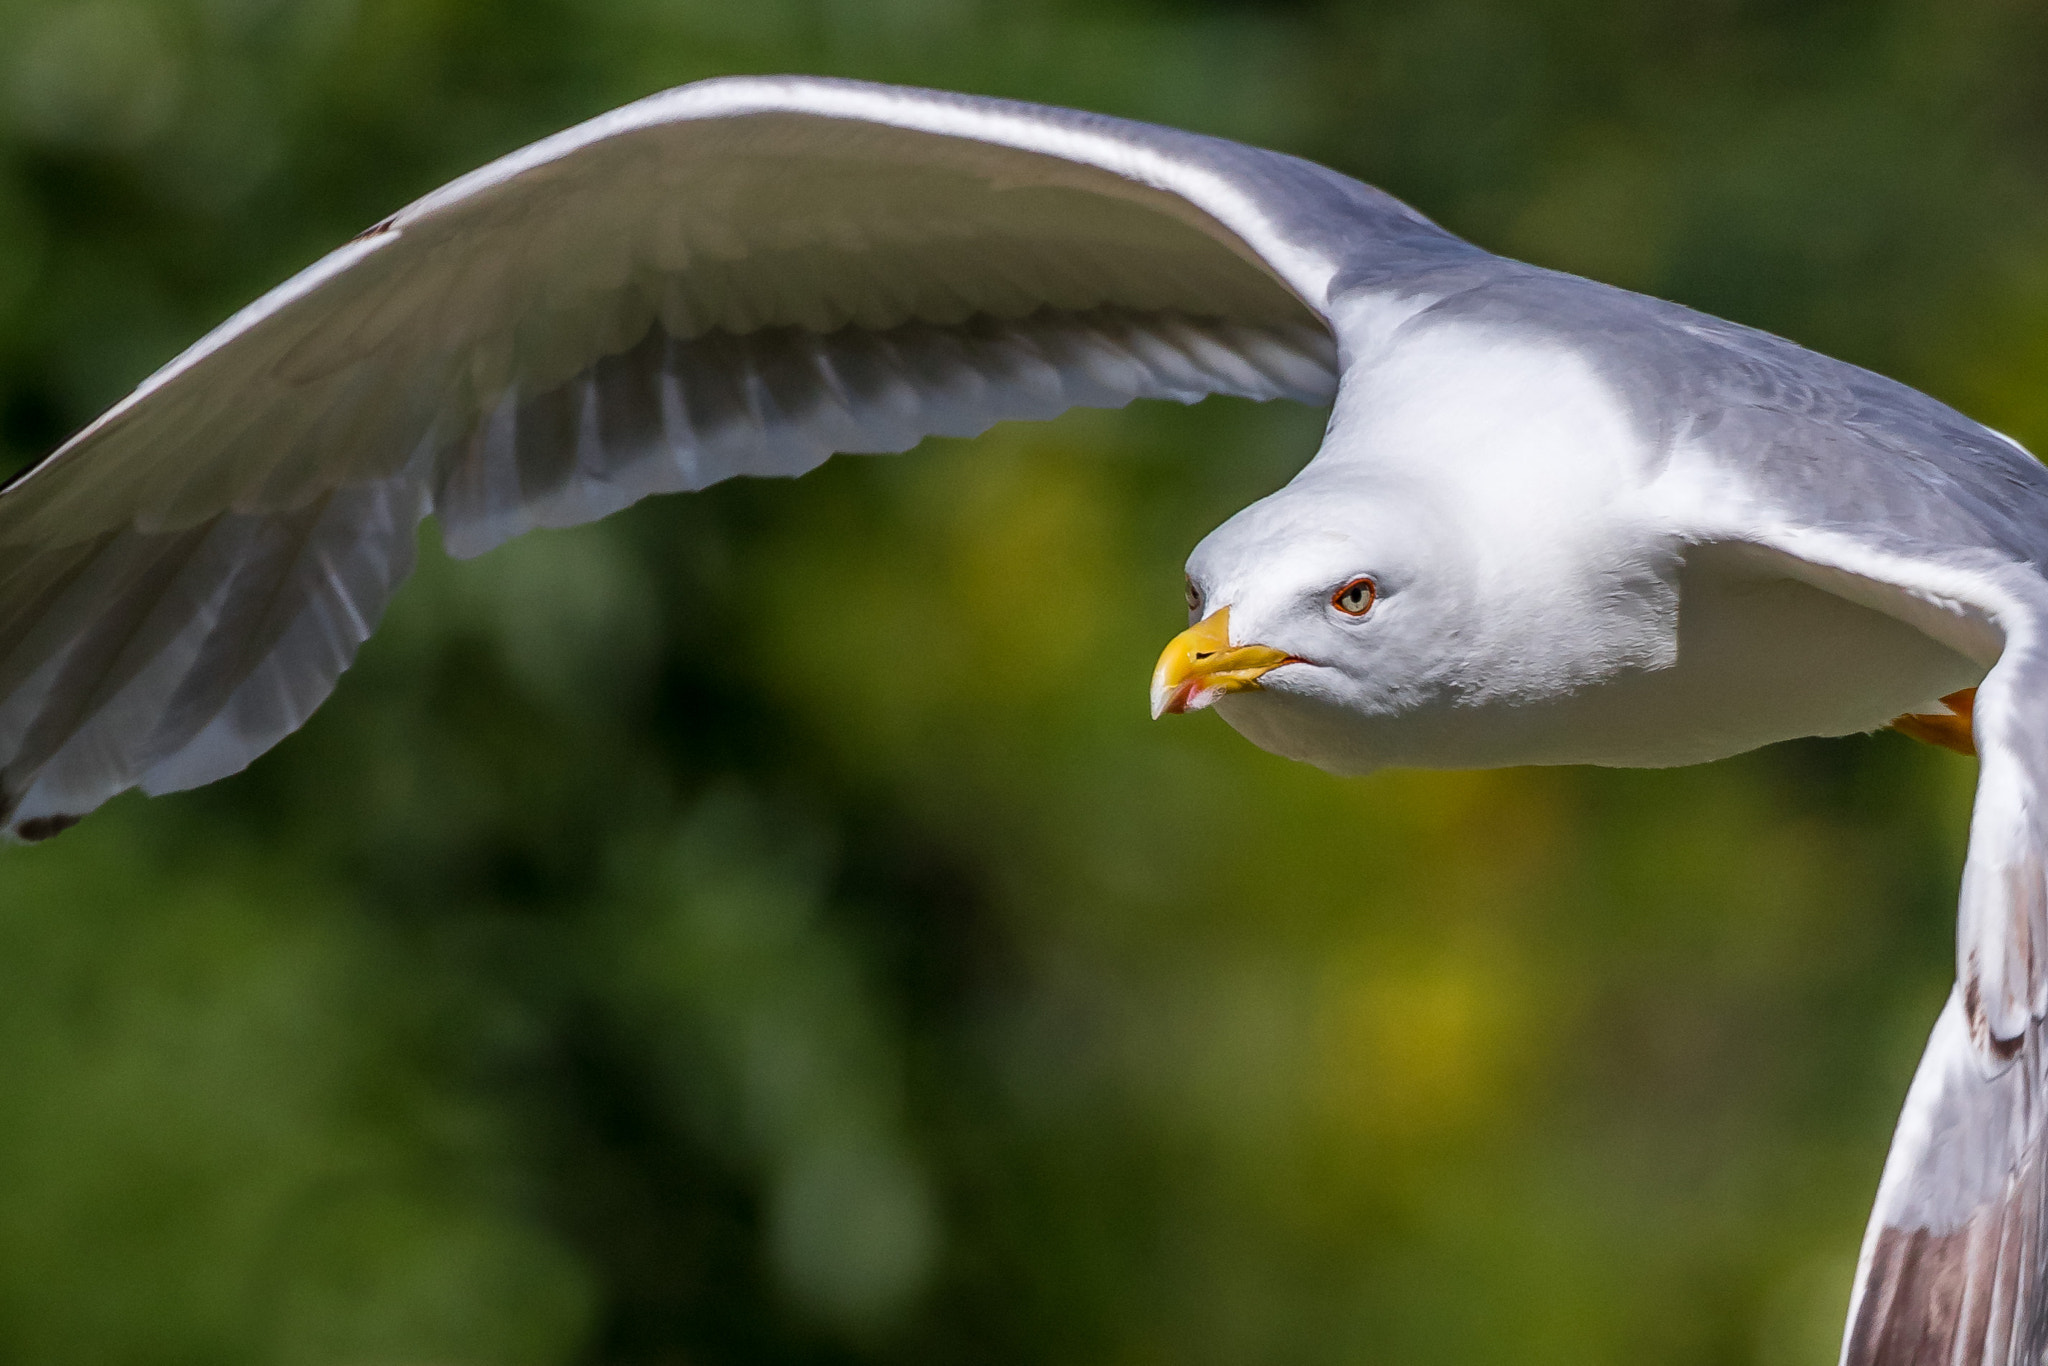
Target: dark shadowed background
[(764, 928)]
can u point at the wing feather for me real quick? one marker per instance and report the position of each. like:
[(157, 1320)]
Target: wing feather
[(1951, 1272), (737, 278)]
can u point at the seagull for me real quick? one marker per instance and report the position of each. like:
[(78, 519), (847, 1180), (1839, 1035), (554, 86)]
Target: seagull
[(1550, 522)]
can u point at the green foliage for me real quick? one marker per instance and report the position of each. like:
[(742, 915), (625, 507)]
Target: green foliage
[(764, 927)]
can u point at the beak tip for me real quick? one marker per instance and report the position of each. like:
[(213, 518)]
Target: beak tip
[(1181, 698)]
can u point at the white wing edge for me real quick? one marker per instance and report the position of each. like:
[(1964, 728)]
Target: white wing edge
[(1995, 612), (327, 268), (1306, 272)]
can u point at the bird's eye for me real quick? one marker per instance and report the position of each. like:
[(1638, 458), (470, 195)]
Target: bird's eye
[(1194, 600), (1356, 598)]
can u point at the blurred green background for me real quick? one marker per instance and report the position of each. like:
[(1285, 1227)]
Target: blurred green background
[(699, 939)]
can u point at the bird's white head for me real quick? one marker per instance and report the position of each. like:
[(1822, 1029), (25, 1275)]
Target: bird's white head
[(1443, 584), (1319, 618)]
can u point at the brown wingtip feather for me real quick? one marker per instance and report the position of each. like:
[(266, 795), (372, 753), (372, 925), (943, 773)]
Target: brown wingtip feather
[(1951, 729), (1968, 1297), (1912, 1305)]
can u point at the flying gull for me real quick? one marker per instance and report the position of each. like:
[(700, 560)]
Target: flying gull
[(1551, 521)]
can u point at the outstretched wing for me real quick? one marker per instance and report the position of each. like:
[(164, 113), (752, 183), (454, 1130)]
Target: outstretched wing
[(1954, 1266), (737, 277), (1867, 489)]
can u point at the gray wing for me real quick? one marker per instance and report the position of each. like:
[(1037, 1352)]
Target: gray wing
[(1954, 1267), (738, 277), (1885, 496), (1868, 489)]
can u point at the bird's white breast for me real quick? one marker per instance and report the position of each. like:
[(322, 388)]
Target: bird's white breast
[(1759, 657)]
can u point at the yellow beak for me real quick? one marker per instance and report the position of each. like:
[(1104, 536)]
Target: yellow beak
[(1200, 665)]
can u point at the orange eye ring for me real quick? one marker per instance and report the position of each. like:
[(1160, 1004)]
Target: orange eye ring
[(1356, 598)]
